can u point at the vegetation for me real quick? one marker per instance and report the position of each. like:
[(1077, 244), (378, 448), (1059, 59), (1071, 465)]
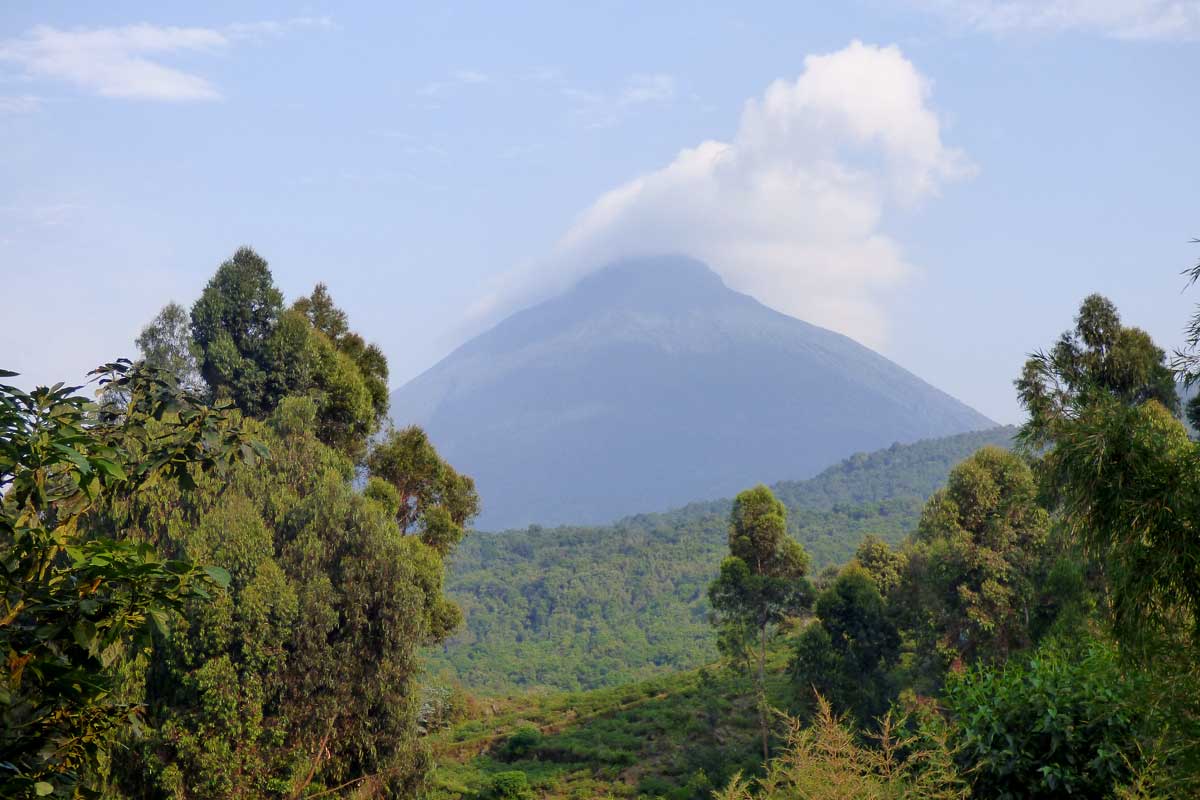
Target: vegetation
[(580, 608), (75, 604), (219, 578), (289, 666), (1067, 722), (760, 585)]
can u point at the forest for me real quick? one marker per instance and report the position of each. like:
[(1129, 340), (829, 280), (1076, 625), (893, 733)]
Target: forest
[(227, 575)]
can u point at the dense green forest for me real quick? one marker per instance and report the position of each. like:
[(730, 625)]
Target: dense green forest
[(581, 608), (224, 576)]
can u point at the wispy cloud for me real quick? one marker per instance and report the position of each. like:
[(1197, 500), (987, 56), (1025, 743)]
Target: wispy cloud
[(129, 61), (1120, 19), (456, 79), (605, 109), (276, 28), (19, 104)]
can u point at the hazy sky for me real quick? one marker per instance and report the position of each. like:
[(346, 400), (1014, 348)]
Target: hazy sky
[(942, 180)]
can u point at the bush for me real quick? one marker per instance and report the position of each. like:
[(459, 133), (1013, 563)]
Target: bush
[(1067, 723), (523, 743), (828, 761), (509, 786)]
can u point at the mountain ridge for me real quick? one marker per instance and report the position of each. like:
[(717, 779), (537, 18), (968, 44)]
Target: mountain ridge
[(651, 384)]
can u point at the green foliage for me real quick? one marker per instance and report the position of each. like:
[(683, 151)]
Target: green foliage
[(166, 343), (255, 353), (525, 741), (369, 360), (578, 608), (762, 581), (304, 675), (826, 761), (848, 653), (76, 605), (672, 737), (1065, 724), (1129, 485), (971, 580), (511, 785), (428, 494), (234, 328), (1100, 358)]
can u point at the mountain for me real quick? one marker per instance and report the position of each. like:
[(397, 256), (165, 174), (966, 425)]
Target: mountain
[(650, 384), (579, 608)]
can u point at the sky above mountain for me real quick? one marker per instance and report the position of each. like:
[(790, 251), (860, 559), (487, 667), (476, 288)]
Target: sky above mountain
[(943, 181)]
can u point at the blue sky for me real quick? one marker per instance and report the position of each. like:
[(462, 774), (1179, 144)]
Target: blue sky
[(942, 180)]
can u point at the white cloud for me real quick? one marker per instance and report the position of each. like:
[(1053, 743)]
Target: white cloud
[(790, 209), (127, 61), (115, 62), (1122, 19)]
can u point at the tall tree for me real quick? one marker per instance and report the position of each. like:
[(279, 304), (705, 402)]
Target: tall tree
[(305, 676), (970, 585), (1126, 477), (1099, 358), (166, 343), (331, 321), (234, 328), (847, 653), (762, 581)]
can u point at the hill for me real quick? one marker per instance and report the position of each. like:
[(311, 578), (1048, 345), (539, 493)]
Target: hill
[(577, 608), (651, 384)]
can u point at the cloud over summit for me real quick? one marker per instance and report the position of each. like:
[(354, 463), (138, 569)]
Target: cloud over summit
[(789, 210)]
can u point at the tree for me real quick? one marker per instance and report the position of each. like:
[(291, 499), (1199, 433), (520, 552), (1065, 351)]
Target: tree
[(305, 676), (970, 586), (74, 605), (234, 326), (1123, 471), (255, 353), (429, 495), (1126, 480), (166, 343), (1187, 359), (1099, 358), (847, 654), (884, 565), (333, 324), (762, 581)]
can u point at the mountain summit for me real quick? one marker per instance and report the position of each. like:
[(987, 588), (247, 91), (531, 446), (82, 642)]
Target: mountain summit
[(651, 384)]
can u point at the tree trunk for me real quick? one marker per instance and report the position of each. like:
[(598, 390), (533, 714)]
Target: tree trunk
[(762, 690)]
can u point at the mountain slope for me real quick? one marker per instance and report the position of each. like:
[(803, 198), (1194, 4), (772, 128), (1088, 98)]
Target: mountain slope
[(578, 608), (651, 384)]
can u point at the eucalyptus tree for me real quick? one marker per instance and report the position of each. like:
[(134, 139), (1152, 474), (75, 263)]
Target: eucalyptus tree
[(762, 581)]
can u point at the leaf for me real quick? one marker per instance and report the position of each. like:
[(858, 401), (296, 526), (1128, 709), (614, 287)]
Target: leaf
[(219, 575), (109, 468), (42, 788), (85, 635), (158, 618)]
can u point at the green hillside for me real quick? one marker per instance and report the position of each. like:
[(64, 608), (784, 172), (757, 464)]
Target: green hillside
[(678, 735), (579, 608)]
